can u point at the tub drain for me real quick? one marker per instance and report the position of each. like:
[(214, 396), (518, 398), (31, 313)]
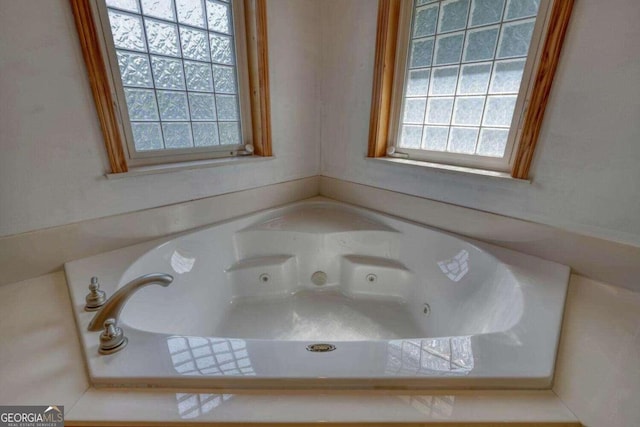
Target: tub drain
[(321, 348)]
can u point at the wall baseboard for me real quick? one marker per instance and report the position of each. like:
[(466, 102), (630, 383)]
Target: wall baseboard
[(38, 252), (610, 262)]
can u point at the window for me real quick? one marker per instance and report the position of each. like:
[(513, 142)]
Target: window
[(464, 82), (177, 80)]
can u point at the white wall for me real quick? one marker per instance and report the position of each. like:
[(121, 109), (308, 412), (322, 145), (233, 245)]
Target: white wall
[(585, 175), (52, 157)]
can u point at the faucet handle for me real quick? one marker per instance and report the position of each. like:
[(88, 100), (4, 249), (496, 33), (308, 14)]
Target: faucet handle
[(112, 338), (95, 298)]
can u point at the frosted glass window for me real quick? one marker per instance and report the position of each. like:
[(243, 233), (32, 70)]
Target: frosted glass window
[(205, 134), (191, 12), (426, 20), (481, 44), (418, 83), (499, 110), (463, 140), (202, 106), (465, 65), (177, 65), (167, 72), (158, 8), (468, 110), (522, 8), (412, 136), (474, 79), (507, 76), (492, 142), (515, 38), (421, 53), (484, 12), (435, 138), (453, 15), (449, 49), (439, 111), (444, 81), (134, 69), (414, 110)]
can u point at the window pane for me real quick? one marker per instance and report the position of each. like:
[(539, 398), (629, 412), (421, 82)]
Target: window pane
[(147, 136), (453, 15), (411, 136), (162, 37), (418, 83), (466, 62), (158, 8), (507, 76), (141, 104), (173, 105), (194, 44), (444, 81), (198, 76), (205, 134), (492, 142), (481, 44), (127, 31), (221, 49), (522, 8), (177, 65), (229, 133), (426, 18), (202, 106), (129, 5), (421, 53), (462, 140), (515, 39), (134, 69), (167, 73), (227, 107), (414, 110), (177, 135), (485, 12), (448, 49), (468, 110), (439, 111), (191, 12), (435, 138), (474, 79), (499, 110), (224, 79), (218, 17)]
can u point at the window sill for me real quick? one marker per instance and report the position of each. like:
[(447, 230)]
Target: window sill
[(450, 169), (176, 167)]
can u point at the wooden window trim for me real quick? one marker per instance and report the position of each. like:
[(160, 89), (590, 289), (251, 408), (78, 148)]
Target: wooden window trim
[(106, 104), (383, 78)]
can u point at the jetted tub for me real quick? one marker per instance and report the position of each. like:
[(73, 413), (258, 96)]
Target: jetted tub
[(320, 294)]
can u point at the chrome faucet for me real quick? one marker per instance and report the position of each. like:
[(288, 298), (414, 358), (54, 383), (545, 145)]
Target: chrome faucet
[(112, 308)]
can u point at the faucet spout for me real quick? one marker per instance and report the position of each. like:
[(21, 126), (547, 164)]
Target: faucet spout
[(114, 305)]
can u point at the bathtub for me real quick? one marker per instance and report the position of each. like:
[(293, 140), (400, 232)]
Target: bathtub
[(321, 294)]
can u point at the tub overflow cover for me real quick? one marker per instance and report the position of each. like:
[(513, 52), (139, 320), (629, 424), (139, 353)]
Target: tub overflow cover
[(321, 348)]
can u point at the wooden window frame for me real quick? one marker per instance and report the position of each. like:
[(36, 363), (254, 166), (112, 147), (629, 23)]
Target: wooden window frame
[(388, 49), (253, 38)]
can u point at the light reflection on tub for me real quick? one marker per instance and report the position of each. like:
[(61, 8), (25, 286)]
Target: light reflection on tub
[(209, 356), (444, 355), (437, 407), (194, 405)]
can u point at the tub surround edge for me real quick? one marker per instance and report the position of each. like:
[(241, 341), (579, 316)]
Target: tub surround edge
[(34, 253), (596, 258)]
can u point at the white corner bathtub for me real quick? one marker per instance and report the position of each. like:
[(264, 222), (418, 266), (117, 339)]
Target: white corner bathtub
[(405, 306)]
